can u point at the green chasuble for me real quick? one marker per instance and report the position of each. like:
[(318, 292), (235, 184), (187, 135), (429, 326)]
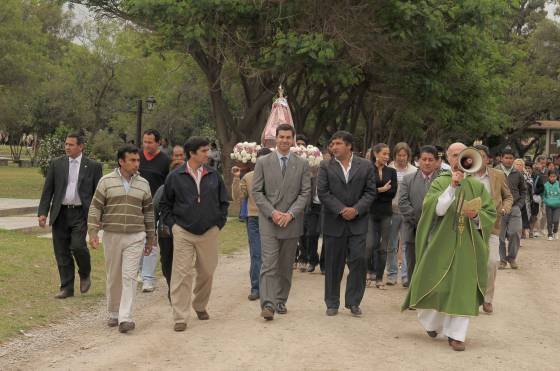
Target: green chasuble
[(451, 252)]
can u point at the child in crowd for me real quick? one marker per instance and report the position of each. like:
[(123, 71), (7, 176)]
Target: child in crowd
[(552, 203)]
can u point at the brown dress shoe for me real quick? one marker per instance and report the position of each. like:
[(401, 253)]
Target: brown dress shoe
[(203, 316), (180, 326), (85, 284), (267, 313), (124, 327), (487, 308), (113, 322), (63, 294), (457, 345)]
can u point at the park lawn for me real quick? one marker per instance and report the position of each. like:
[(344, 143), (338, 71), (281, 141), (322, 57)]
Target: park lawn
[(29, 280), (16, 182)]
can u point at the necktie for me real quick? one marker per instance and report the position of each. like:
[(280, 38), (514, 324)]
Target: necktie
[(284, 163)]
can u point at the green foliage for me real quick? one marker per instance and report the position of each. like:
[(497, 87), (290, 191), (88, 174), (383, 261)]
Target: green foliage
[(104, 146)]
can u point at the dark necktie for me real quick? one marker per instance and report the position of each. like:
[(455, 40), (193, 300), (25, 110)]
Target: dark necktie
[(284, 162)]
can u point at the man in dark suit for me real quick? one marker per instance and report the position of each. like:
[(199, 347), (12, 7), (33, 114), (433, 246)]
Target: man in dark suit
[(412, 191), (346, 188), (69, 187)]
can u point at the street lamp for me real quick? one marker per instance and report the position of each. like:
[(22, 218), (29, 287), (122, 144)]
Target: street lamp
[(150, 104)]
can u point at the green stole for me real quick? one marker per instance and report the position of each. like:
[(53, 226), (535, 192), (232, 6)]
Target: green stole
[(451, 266)]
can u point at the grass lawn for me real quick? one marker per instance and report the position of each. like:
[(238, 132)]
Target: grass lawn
[(20, 182), (29, 280)]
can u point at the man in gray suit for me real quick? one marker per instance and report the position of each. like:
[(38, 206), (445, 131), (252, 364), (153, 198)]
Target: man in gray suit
[(281, 188), (346, 187), (413, 189)]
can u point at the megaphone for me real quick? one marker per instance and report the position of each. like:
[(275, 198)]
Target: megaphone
[(469, 161)]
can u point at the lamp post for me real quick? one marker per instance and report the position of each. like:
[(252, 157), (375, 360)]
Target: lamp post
[(150, 105)]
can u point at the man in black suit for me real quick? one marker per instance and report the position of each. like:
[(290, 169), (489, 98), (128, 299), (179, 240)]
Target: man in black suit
[(69, 187), (346, 188)]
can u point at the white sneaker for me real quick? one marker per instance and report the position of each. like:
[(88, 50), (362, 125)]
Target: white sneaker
[(550, 238), (148, 287)]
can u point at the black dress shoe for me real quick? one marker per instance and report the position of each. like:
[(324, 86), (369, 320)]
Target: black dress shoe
[(85, 284), (355, 310), (432, 334), (281, 308), (311, 268), (63, 294), (332, 311)]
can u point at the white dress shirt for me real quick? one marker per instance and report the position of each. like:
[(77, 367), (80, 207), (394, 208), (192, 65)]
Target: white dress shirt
[(71, 196), (346, 171)]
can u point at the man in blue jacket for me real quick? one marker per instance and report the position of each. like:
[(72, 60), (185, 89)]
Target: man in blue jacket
[(194, 206)]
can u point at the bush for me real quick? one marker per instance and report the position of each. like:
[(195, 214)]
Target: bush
[(104, 146)]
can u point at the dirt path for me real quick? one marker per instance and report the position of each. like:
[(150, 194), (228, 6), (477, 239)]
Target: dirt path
[(523, 333)]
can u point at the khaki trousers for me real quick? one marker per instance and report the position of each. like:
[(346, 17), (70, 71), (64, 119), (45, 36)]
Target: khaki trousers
[(192, 253), (493, 260), (122, 258)]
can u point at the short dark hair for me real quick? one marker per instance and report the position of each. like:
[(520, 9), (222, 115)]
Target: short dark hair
[(440, 152), (193, 144), (121, 153), (263, 152), (78, 136), (429, 149), (508, 151), (155, 133), (302, 137), (539, 158), (345, 136), (379, 147), (285, 127), (482, 147)]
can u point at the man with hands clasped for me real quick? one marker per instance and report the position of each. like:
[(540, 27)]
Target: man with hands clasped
[(346, 188), (281, 188)]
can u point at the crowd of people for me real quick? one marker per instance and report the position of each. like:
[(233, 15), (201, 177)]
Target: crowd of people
[(440, 229)]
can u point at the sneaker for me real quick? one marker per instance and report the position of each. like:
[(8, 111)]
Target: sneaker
[(550, 238), (302, 267), (148, 287)]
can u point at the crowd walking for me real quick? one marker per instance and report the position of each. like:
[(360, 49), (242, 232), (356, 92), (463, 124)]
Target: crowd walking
[(444, 229)]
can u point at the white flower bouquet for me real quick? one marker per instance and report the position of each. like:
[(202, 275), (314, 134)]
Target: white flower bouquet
[(311, 153), (245, 152)]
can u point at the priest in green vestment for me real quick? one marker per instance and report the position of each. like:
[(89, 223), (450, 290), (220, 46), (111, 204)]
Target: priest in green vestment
[(449, 279)]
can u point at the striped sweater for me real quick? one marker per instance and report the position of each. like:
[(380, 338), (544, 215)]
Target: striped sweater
[(114, 210)]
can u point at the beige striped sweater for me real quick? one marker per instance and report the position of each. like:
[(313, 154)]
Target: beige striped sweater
[(114, 210)]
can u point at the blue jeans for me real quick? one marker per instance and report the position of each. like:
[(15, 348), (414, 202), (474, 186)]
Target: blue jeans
[(392, 261), (149, 264), (254, 252)]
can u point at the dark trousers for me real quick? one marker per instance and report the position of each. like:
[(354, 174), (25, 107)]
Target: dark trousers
[(379, 234), (410, 251), (347, 249), (69, 241), (166, 258), (311, 234), (552, 218), (254, 252)]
